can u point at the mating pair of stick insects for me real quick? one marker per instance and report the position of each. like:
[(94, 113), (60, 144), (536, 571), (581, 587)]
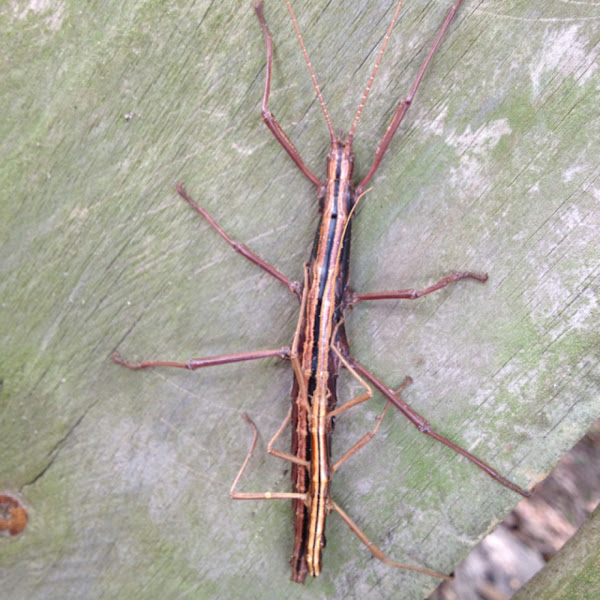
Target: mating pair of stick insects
[(319, 348)]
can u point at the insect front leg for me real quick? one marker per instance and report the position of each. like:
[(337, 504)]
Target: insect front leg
[(405, 104), (267, 115)]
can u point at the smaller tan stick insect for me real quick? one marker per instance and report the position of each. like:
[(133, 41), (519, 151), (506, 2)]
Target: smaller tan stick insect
[(320, 347)]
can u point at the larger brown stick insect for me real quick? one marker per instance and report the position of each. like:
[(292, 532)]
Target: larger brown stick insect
[(320, 347)]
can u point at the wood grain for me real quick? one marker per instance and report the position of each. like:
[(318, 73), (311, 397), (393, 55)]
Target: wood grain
[(125, 475)]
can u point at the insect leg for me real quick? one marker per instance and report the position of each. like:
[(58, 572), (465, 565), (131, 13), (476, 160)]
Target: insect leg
[(267, 115), (197, 363), (371, 434), (259, 495), (285, 455), (364, 440), (358, 399), (376, 552), (424, 427), (242, 249), (295, 352), (404, 105), (412, 294)]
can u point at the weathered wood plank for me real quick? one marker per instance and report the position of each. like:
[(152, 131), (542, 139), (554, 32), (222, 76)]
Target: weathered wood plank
[(125, 475)]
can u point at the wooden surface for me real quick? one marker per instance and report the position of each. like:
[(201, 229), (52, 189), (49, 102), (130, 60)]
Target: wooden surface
[(105, 106)]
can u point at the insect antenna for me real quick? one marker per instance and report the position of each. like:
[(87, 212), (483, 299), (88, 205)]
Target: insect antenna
[(370, 83), (312, 73)]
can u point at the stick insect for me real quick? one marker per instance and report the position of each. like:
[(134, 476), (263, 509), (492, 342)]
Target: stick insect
[(320, 348)]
